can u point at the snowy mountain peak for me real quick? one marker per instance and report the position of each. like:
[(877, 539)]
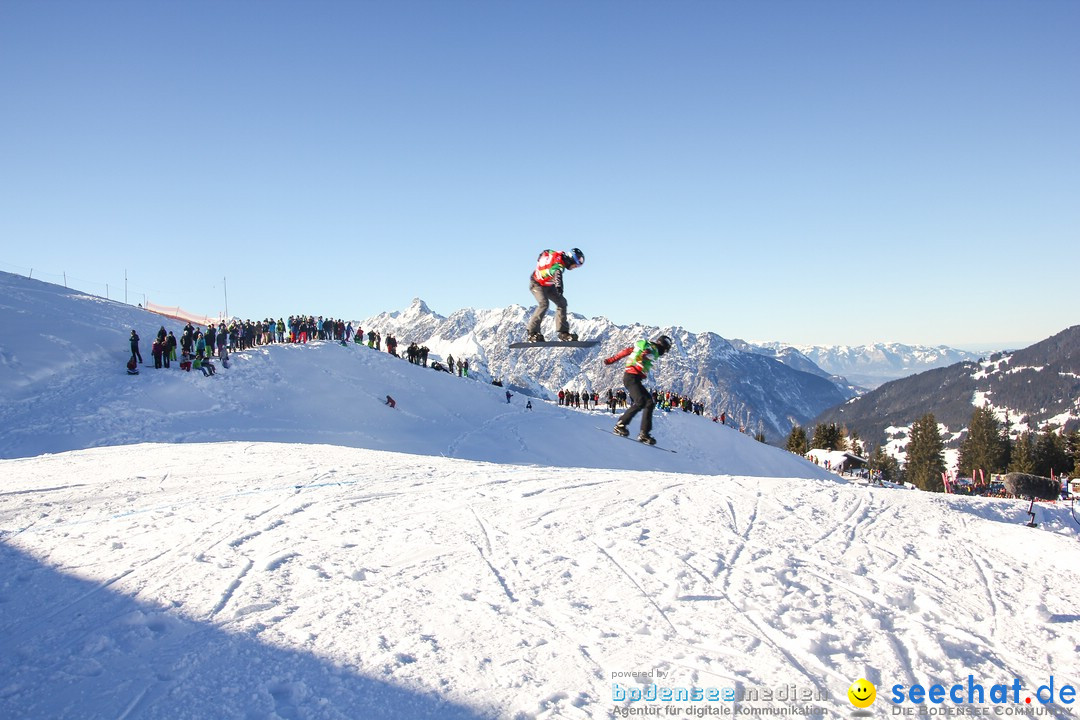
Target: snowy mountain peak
[(419, 307)]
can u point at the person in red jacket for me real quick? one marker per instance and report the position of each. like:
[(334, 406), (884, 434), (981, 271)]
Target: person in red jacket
[(641, 356), (546, 285)]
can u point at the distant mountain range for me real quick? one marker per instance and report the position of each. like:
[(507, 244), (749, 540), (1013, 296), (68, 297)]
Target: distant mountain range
[(869, 366), (1027, 389), (760, 387)]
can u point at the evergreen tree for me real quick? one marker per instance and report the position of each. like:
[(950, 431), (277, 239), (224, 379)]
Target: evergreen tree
[(854, 442), (925, 455), (1072, 449), (796, 441), (1050, 455), (820, 440), (1006, 447), (828, 437), (982, 449), (760, 436), (1023, 454), (886, 464)]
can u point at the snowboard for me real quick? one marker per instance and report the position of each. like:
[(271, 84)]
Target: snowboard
[(627, 437), (556, 343)]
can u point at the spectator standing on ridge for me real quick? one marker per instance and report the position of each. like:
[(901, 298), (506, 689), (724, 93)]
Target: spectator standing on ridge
[(546, 285), (135, 354), (641, 355), (169, 345)]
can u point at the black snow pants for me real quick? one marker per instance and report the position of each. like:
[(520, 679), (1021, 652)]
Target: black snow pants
[(641, 402)]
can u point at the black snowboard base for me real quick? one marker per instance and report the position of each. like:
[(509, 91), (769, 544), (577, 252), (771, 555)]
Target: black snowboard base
[(627, 437), (556, 343)]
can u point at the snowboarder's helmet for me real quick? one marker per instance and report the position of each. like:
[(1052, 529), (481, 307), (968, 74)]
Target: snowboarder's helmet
[(577, 256), (662, 343)]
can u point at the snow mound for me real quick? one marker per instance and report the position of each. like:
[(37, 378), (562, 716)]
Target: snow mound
[(65, 388)]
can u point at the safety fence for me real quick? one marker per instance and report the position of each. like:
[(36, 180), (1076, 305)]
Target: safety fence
[(122, 291)]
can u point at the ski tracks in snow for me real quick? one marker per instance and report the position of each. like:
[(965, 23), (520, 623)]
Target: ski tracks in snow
[(420, 572)]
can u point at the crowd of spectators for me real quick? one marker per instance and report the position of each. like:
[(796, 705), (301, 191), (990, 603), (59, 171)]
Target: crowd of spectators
[(198, 345), (615, 400)]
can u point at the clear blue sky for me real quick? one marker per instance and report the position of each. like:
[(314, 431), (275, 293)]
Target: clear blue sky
[(809, 172)]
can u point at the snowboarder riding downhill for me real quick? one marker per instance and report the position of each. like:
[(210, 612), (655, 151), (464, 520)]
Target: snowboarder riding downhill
[(641, 354), (546, 285)]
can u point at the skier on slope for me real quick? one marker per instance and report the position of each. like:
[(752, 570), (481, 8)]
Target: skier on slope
[(641, 354), (546, 285)]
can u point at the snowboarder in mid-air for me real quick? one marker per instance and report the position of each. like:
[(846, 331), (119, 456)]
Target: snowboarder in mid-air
[(641, 356), (546, 285)]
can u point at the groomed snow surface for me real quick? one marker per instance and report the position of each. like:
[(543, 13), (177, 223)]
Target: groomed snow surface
[(275, 542)]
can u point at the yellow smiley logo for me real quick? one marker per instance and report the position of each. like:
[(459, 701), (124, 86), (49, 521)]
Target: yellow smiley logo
[(862, 693)]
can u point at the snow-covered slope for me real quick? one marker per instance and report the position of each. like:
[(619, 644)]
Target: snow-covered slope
[(265, 580), (65, 388), (461, 557)]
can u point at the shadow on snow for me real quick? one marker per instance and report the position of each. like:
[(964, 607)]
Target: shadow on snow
[(71, 647)]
